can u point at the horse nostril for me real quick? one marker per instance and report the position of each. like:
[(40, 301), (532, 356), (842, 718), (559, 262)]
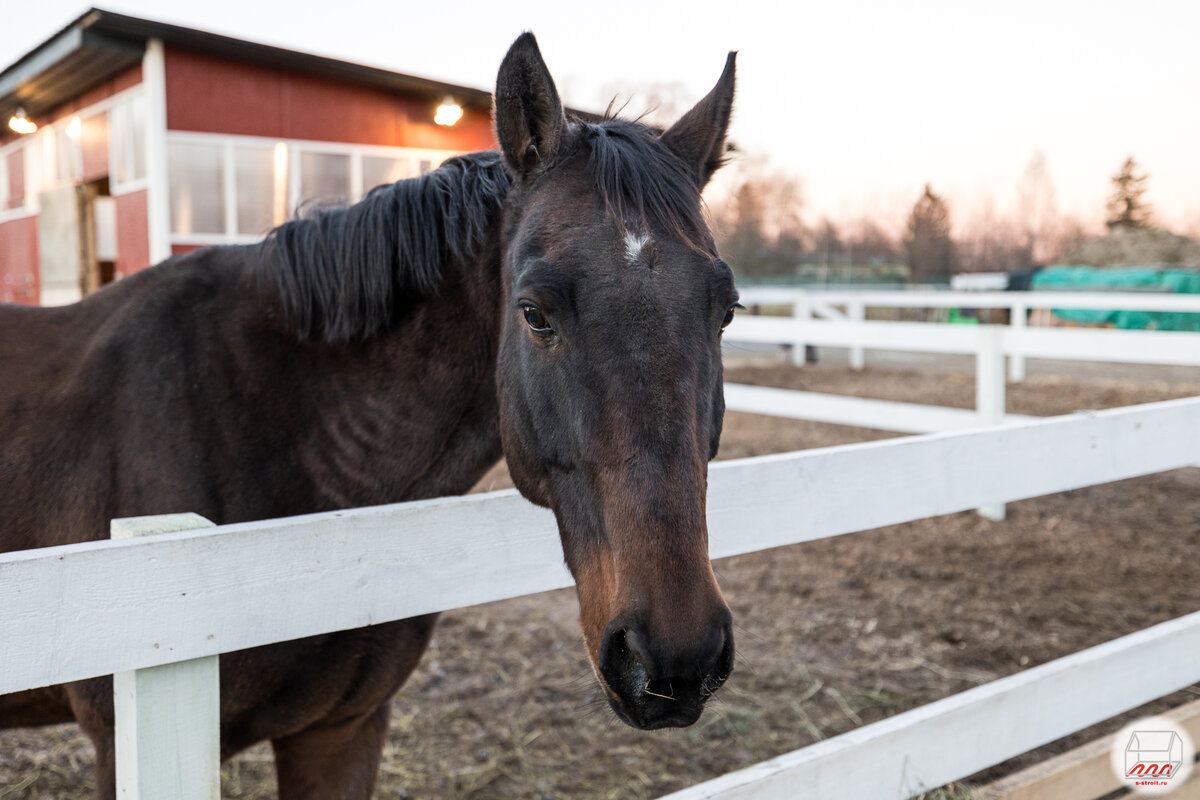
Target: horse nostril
[(624, 660), (640, 651)]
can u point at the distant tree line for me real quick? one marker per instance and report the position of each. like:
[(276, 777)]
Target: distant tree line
[(764, 231)]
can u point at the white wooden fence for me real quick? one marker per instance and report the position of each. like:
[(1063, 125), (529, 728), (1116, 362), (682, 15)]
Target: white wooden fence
[(1020, 343), (122, 605), (988, 343)]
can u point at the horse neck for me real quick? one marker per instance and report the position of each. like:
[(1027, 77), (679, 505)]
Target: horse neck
[(411, 412)]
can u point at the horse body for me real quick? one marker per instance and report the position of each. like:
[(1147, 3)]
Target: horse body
[(208, 402), (559, 302)]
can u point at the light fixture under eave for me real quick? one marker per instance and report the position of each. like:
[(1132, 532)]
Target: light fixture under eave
[(75, 127), (448, 113), (20, 123)]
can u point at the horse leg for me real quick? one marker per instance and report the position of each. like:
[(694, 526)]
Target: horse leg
[(91, 702), (337, 761)]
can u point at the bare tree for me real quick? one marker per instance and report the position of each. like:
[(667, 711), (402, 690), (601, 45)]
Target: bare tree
[(1126, 208), (741, 228), (1037, 209), (760, 226), (827, 240), (992, 242), (868, 241), (928, 249)]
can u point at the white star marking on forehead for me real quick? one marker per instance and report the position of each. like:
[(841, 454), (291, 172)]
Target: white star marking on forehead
[(634, 244)]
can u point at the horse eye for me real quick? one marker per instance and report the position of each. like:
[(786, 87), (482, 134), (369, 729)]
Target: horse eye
[(536, 320), (729, 315)]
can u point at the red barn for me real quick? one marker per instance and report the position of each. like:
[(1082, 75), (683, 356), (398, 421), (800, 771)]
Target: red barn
[(129, 140)]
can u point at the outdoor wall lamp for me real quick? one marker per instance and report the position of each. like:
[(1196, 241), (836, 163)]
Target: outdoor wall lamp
[(20, 123), (448, 113)]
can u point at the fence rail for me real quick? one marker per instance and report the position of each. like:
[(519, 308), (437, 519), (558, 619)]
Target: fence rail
[(947, 739), (862, 412), (850, 307), (92, 609), (1142, 347), (1123, 301)]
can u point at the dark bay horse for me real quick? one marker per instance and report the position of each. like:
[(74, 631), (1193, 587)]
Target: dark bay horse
[(559, 303)]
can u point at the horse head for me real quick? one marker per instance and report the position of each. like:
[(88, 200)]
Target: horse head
[(609, 376)]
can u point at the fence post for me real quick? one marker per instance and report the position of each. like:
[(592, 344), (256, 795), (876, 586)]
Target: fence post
[(168, 718), (989, 391), (856, 311), (801, 310), (1016, 358)]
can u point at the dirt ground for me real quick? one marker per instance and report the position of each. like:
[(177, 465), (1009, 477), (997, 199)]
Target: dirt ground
[(831, 634)]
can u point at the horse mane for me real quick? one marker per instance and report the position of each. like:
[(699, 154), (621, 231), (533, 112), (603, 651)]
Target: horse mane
[(343, 272), (643, 184)]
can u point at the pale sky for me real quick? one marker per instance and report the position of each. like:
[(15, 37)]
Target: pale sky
[(864, 101)]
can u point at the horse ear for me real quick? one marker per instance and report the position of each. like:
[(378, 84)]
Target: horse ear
[(528, 114), (699, 136)]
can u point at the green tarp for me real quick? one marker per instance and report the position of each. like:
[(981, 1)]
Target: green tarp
[(1123, 279)]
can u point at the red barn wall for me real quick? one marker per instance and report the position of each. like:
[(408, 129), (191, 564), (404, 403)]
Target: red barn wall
[(19, 276), (133, 234), (209, 94)]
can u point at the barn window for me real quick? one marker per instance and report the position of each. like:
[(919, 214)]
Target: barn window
[(261, 181), (32, 164), (197, 187), (14, 182), (128, 141), (325, 178), (378, 170), (68, 153), (4, 206)]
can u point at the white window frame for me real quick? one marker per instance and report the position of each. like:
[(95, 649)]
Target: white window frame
[(121, 147), (35, 178), (229, 143), (27, 208)]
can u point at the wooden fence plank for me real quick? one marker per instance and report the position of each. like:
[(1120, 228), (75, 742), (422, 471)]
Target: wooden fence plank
[(1084, 773), (948, 739), (1127, 301), (1084, 344), (862, 412), (924, 337), (167, 718), (989, 394)]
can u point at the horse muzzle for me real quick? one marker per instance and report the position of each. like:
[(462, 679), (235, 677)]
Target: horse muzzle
[(652, 684)]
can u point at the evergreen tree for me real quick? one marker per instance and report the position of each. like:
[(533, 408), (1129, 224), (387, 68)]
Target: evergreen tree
[(928, 249), (1126, 208)]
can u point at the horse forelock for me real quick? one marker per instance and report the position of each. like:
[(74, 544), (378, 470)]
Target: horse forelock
[(644, 186), (341, 271)]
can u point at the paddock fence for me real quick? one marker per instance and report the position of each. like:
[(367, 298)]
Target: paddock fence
[(989, 344), (156, 610), (851, 307)]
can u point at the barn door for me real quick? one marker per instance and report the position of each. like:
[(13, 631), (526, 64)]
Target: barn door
[(76, 241)]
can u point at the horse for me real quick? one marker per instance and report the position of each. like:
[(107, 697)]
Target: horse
[(558, 302)]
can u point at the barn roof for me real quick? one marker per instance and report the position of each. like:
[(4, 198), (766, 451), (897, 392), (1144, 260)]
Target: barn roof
[(100, 44)]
